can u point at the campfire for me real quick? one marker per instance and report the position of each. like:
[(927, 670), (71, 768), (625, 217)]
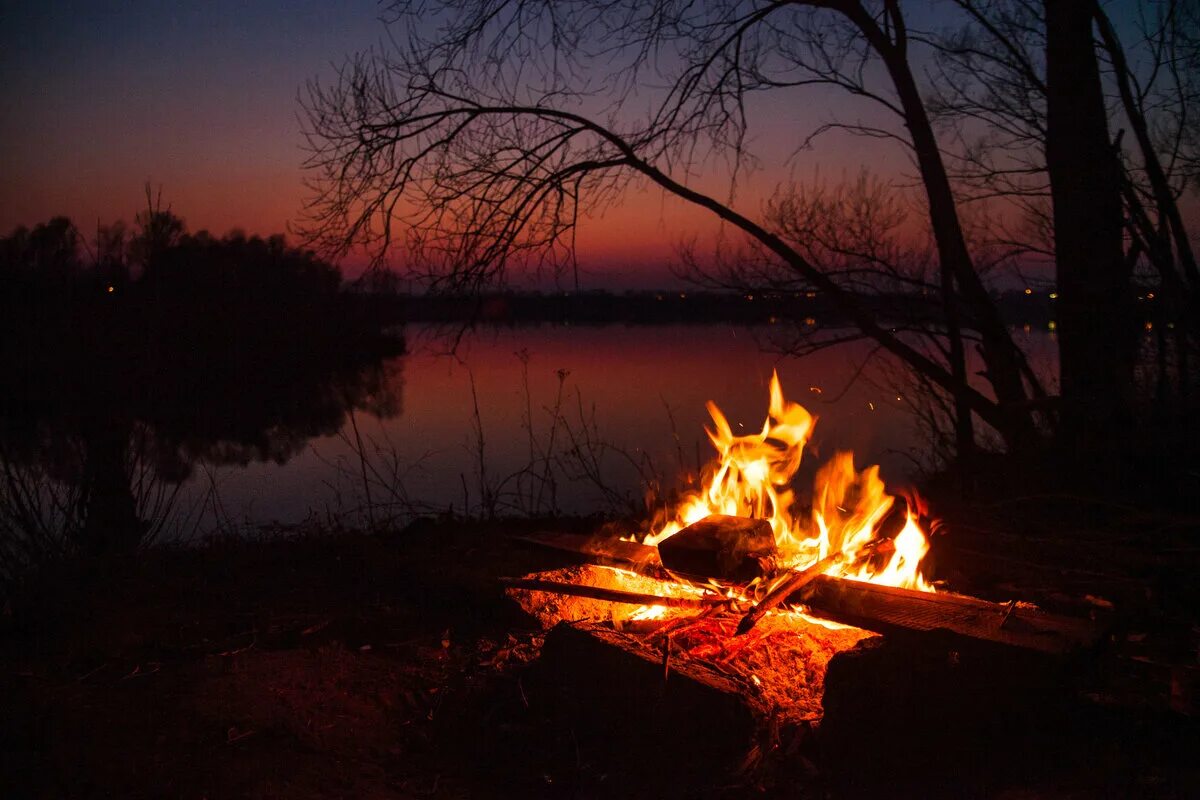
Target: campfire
[(742, 591), (751, 478)]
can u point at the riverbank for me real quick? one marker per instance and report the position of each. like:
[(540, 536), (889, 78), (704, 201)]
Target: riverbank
[(343, 664)]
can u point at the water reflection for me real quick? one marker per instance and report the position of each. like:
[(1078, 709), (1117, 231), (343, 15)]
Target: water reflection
[(574, 419), (543, 418), (96, 440)]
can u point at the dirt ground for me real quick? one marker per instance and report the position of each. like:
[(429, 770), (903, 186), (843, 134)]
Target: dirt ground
[(391, 666)]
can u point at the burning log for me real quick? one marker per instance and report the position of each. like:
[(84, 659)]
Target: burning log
[(633, 556), (597, 593), (972, 622), (969, 622), (611, 595), (790, 590), (720, 546), (783, 591)]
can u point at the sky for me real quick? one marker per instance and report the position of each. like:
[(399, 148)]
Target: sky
[(101, 96), (201, 98)]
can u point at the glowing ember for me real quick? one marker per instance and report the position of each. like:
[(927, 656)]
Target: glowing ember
[(752, 476)]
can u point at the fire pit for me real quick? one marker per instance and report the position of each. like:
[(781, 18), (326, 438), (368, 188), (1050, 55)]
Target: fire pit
[(737, 605)]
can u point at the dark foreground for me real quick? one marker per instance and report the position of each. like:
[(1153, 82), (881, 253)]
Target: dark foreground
[(392, 666)]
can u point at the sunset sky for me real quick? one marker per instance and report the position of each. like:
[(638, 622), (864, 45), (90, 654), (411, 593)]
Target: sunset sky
[(102, 96)]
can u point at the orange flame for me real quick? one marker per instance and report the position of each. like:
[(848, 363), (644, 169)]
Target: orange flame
[(752, 476)]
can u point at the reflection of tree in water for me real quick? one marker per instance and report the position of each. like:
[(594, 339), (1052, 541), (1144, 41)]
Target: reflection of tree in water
[(108, 456), (222, 352)]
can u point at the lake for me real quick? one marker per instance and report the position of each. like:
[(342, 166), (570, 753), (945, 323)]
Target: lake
[(613, 406)]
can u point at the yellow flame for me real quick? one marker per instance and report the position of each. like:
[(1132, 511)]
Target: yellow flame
[(649, 612), (752, 475)]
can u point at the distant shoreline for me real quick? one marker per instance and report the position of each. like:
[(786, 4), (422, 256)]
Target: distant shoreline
[(1036, 309)]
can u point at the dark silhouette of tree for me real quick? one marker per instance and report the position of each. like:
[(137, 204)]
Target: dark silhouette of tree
[(220, 351), (1162, 120), (1097, 348), (486, 139), (992, 93), (47, 254), (156, 230), (112, 254), (861, 232)]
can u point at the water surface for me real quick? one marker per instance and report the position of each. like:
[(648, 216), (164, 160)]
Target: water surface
[(631, 397)]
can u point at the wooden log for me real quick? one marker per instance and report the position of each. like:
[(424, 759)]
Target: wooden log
[(552, 607), (794, 585), (611, 595), (779, 594), (676, 720), (719, 546), (634, 556), (938, 720), (967, 620)]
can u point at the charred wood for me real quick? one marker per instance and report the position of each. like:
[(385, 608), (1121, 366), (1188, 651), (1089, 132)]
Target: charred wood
[(634, 556), (970, 622), (791, 590), (613, 690), (720, 546), (917, 705), (611, 595)]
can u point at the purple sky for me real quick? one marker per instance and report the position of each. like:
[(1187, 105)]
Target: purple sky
[(100, 97)]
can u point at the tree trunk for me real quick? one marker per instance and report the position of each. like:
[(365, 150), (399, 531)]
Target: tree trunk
[(1097, 337), (964, 427), (1000, 354), (1164, 198), (111, 525)]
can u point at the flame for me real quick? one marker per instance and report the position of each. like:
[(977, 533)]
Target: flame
[(649, 612), (752, 476)]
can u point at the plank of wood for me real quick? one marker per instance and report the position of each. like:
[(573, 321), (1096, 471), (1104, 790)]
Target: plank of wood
[(611, 595), (886, 609), (638, 557), (796, 583)]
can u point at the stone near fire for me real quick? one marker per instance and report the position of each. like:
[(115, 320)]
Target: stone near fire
[(720, 546)]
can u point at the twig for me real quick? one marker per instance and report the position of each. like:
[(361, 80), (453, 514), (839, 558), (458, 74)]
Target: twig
[(1012, 606), (795, 583), (684, 622), (90, 673)]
